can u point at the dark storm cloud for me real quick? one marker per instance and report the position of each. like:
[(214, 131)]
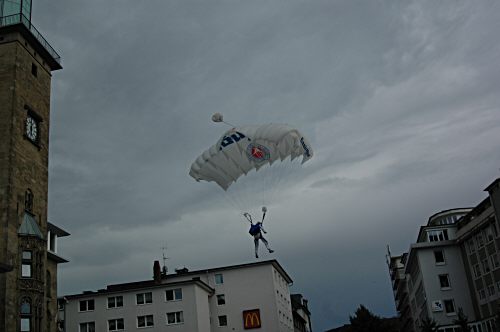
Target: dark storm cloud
[(398, 99)]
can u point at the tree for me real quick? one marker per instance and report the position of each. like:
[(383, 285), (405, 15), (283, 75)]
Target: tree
[(462, 321), (428, 325), (364, 321)]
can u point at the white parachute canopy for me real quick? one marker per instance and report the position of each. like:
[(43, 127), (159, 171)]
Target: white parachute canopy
[(243, 149)]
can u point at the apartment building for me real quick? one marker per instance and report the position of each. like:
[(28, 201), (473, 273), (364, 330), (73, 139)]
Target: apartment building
[(231, 298), (454, 265), (479, 236)]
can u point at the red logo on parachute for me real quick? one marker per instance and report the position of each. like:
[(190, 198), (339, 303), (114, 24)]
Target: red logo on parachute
[(257, 152)]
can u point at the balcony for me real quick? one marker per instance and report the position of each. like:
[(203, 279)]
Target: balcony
[(12, 20)]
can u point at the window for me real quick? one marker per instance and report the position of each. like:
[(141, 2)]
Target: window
[(486, 266), (219, 279), (482, 294), (491, 290), (175, 318), (489, 233), (174, 294), (25, 312), (480, 240), (437, 235), (87, 305), (471, 246), (28, 200), (144, 298), (27, 262), (222, 320), (444, 281), (495, 263), (439, 257), (221, 299), (116, 324), (87, 327), (145, 321), (449, 306), (34, 70), (477, 271), (115, 302)]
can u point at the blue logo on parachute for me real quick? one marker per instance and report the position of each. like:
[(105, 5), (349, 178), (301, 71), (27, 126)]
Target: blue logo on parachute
[(230, 139), (306, 148)]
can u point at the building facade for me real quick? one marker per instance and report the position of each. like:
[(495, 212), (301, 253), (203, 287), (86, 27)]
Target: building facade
[(301, 314), (28, 265), (232, 298), (454, 266), (479, 237)]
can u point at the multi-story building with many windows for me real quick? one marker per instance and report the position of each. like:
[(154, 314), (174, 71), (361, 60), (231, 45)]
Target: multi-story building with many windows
[(429, 280), (454, 265), (479, 237), (231, 298)]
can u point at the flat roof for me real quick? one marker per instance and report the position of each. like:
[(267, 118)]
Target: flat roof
[(114, 288), (239, 266), (117, 288)]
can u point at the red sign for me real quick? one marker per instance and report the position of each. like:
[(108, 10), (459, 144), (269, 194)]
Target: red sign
[(251, 319)]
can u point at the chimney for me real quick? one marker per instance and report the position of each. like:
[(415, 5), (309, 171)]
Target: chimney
[(157, 272)]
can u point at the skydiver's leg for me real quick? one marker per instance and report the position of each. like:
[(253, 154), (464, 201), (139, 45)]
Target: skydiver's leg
[(256, 242), (266, 244)]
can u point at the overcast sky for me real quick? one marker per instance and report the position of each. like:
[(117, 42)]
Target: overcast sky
[(399, 99)]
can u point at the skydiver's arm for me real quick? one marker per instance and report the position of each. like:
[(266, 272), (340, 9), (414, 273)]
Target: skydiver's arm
[(248, 217)]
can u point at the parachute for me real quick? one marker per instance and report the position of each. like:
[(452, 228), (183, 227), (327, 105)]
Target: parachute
[(247, 148)]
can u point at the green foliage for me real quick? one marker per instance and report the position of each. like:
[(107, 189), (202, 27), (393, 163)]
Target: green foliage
[(365, 321), (428, 325), (462, 321)]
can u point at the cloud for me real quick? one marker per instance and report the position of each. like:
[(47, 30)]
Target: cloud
[(399, 101)]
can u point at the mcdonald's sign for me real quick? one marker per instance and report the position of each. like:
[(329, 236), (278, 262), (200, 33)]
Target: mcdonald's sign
[(251, 319)]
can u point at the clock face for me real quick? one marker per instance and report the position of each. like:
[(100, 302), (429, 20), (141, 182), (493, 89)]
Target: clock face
[(31, 129)]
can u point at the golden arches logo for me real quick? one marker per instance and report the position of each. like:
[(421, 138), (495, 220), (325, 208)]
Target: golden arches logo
[(251, 319)]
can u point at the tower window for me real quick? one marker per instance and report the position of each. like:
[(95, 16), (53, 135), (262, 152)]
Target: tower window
[(25, 314), (28, 200), (27, 263), (34, 70)]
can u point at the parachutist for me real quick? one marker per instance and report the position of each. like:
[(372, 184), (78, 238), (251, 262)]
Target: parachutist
[(256, 231)]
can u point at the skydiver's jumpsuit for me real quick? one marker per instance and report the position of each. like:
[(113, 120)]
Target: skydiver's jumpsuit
[(258, 237)]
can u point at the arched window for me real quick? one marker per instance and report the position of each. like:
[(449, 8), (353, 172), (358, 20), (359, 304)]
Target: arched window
[(28, 200), (25, 313)]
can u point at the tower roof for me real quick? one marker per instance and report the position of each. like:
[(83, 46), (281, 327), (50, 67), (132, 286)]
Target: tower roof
[(29, 226)]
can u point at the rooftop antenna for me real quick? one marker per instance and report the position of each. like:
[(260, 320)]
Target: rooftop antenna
[(164, 255)]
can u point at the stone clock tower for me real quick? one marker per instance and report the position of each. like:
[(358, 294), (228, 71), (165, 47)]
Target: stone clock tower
[(28, 242)]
